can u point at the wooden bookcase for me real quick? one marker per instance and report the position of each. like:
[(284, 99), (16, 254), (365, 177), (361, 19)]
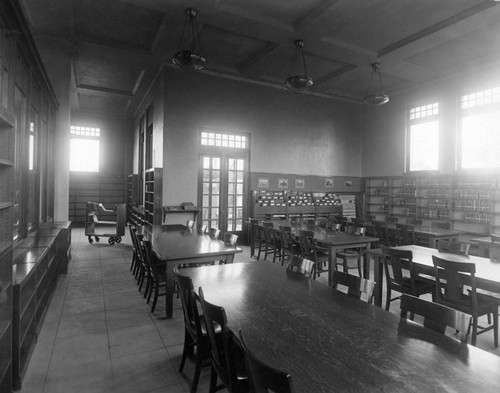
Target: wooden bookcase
[(153, 213), (470, 203), (6, 211)]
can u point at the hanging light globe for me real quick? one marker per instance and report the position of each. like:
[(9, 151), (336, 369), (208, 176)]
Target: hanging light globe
[(378, 97), (190, 58), (297, 81)]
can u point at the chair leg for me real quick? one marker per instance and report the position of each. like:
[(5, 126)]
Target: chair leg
[(213, 380), (150, 291), (197, 372), (388, 300), (155, 297), (495, 328), (474, 331), (184, 350)]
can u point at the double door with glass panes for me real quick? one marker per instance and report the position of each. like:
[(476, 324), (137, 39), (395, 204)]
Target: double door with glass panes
[(223, 181)]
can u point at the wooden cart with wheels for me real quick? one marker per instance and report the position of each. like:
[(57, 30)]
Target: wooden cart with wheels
[(92, 222)]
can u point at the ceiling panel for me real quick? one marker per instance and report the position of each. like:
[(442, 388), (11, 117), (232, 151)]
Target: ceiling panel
[(106, 75), (116, 24), (111, 106)]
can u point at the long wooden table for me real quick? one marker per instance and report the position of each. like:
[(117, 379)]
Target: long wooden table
[(178, 245), (485, 244), (330, 342), (487, 272)]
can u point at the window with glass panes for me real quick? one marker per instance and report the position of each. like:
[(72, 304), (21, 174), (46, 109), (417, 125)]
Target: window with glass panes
[(480, 134), (423, 138)]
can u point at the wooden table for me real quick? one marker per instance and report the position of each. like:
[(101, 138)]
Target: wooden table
[(333, 241), (330, 342), (433, 235), (174, 246), (487, 272)]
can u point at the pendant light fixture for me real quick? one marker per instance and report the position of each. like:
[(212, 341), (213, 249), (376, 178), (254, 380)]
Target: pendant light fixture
[(190, 57), (298, 81), (378, 97)]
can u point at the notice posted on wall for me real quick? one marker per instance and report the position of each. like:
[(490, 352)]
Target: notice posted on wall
[(348, 206)]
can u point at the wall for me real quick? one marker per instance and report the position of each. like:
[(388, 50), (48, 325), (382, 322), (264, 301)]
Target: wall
[(289, 132), (385, 126)]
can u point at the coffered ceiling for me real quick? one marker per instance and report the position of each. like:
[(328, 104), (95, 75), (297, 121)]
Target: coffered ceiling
[(120, 45)]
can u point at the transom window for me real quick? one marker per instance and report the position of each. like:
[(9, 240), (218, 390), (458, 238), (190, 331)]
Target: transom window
[(480, 132), (84, 149), (423, 138), (219, 139)]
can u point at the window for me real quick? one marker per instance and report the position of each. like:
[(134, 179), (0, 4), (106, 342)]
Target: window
[(223, 140), (480, 133), (84, 149), (423, 138)]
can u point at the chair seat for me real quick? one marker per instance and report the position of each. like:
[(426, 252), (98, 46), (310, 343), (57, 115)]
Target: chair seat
[(422, 286), (485, 304)]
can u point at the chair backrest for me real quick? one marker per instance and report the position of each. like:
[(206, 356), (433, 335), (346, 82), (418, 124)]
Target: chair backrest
[(356, 286), (269, 236), (187, 294), (322, 223), (202, 229), (451, 279), (440, 224), (436, 316), (220, 347), (307, 243), (311, 222), (401, 266), (214, 233), (356, 229), (264, 378), (406, 234), (190, 224), (454, 247), (379, 229), (495, 248), (286, 237), (300, 265), (254, 229), (230, 239), (133, 236)]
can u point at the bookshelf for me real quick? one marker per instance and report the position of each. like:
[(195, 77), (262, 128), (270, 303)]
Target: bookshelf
[(153, 213)]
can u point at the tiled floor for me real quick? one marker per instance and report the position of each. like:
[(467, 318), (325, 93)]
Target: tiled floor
[(99, 336)]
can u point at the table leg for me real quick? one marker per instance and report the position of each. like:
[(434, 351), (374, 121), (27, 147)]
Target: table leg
[(366, 262), (332, 251), (169, 290), (378, 268)]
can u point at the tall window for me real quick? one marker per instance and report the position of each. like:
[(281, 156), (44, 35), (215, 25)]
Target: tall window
[(423, 138), (84, 149), (480, 131)]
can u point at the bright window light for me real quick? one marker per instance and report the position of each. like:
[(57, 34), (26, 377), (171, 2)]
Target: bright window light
[(481, 141), (424, 141), (84, 149)]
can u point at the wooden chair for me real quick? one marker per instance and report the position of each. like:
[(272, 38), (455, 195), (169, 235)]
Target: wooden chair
[(288, 244), (214, 233), (494, 250), (227, 358), (272, 243), (256, 241), (262, 377), (202, 229), (134, 266), (454, 247), (230, 239), (351, 254), (190, 224), (402, 277), (379, 230), (157, 278), (310, 250), (405, 234), (300, 265), (194, 335), (456, 288), (356, 286), (436, 316), (440, 224)]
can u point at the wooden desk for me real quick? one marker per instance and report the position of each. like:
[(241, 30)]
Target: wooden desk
[(431, 235), (174, 246), (330, 342), (487, 272)]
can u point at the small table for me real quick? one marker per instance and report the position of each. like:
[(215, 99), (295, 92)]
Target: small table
[(182, 245), (329, 341), (433, 235)]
